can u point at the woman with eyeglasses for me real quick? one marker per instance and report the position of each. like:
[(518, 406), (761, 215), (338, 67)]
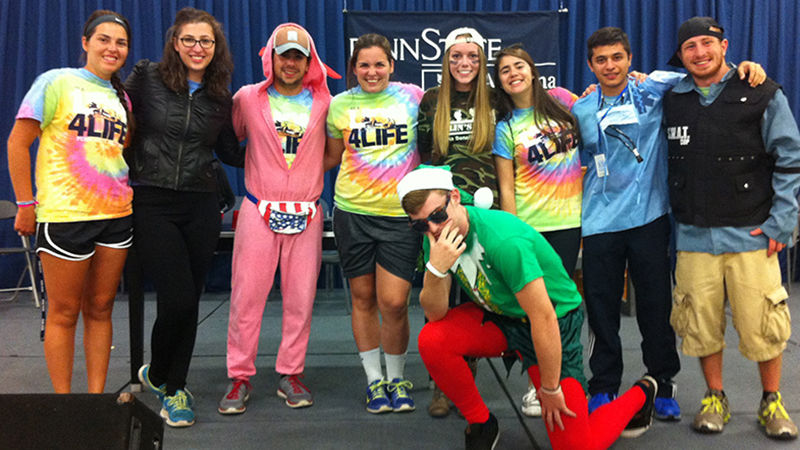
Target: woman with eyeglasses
[(82, 210), (372, 133), (183, 115)]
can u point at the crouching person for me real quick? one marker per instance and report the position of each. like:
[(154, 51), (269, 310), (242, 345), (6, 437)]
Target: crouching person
[(524, 304)]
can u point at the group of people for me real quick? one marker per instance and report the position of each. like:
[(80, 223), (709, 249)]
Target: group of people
[(133, 163)]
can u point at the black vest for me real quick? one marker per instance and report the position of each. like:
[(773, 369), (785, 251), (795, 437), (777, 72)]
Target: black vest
[(719, 171)]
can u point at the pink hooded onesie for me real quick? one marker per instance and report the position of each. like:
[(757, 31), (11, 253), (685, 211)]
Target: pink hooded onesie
[(257, 250)]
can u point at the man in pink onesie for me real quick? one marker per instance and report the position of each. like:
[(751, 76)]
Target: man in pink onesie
[(280, 222)]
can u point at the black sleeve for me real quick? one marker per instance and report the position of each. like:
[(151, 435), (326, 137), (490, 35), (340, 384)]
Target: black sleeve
[(135, 81), (227, 147)]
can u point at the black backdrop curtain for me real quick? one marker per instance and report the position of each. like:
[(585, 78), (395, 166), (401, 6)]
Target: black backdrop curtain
[(37, 35)]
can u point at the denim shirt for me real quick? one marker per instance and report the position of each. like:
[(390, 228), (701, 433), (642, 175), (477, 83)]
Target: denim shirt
[(633, 193)]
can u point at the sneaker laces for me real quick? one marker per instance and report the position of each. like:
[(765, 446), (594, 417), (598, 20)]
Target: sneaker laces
[(297, 386), (775, 409), (237, 386), (376, 389), (400, 387), (178, 401), (530, 396), (712, 403)]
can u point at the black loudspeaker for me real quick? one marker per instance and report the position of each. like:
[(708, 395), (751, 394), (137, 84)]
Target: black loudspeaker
[(78, 421)]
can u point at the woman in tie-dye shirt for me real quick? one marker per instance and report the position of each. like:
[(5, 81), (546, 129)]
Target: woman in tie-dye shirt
[(535, 147), (372, 133), (80, 117)]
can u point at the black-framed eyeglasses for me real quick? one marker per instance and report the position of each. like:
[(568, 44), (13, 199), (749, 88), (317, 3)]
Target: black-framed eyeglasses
[(190, 42), (439, 215)]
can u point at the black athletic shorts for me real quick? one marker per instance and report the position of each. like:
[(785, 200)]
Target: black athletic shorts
[(75, 241), (364, 240)]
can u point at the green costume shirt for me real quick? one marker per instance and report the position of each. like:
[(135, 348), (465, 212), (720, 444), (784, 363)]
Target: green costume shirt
[(503, 255)]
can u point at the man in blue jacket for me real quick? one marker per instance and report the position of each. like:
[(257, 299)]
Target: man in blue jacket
[(624, 216)]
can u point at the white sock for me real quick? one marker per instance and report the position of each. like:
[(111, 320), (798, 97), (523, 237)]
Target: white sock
[(371, 361), (395, 365)]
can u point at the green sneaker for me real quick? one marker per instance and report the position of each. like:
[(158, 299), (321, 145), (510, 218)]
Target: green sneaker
[(773, 417), (714, 413)]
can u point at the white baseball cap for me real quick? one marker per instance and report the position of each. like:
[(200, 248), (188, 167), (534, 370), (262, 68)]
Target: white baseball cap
[(457, 36)]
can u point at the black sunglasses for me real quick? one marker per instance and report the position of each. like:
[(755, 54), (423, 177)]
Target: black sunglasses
[(439, 215)]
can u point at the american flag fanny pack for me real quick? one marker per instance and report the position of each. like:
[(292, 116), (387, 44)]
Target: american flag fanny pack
[(285, 217)]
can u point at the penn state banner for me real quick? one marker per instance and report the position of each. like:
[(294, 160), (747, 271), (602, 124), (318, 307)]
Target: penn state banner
[(417, 39)]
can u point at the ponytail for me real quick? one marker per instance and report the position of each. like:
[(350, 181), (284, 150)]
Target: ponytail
[(116, 82)]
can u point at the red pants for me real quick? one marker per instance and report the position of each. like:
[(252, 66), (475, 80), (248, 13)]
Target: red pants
[(443, 345)]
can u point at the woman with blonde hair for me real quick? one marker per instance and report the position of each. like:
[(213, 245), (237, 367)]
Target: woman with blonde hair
[(456, 128), (456, 118)]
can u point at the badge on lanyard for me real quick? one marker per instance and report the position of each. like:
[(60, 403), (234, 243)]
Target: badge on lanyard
[(607, 124), (600, 165)]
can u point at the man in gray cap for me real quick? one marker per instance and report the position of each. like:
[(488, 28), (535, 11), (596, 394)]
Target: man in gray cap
[(734, 167)]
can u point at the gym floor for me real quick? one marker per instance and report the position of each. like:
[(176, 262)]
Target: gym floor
[(333, 373)]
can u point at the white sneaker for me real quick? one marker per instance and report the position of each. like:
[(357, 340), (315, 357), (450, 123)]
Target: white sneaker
[(530, 403)]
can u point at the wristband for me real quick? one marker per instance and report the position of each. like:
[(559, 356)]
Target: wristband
[(27, 203), (434, 270), (555, 391)]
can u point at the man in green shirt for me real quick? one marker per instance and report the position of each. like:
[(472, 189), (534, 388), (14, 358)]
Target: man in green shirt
[(524, 305)]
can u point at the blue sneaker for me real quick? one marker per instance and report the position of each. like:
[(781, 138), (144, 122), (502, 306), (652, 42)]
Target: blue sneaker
[(401, 401), (377, 401), (667, 409), (598, 400), (144, 377), (176, 410), (160, 391)]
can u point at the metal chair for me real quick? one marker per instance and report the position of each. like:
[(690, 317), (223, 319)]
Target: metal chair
[(8, 210)]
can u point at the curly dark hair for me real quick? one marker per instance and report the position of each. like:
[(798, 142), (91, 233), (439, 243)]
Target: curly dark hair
[(217, 76)]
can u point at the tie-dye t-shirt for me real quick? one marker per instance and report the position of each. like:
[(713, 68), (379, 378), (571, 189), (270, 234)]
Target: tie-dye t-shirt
[(547, 183), (291, 114), (379, 131), (80, 172)]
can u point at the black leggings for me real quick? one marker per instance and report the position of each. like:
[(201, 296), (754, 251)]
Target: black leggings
[(175, 234), (567, 243)]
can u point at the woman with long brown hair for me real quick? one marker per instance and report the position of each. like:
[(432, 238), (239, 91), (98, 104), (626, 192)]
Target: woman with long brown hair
[(183, 112), (536, 154)]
